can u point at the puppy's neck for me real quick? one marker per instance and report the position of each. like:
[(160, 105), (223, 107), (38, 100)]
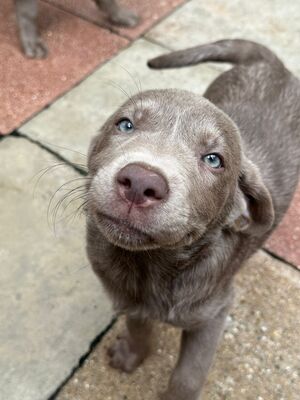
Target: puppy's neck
[(174, 259)]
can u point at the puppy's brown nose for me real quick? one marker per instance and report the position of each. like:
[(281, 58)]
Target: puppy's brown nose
[(141, 186)]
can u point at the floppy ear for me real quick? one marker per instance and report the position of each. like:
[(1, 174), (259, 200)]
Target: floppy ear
[(253, 211)]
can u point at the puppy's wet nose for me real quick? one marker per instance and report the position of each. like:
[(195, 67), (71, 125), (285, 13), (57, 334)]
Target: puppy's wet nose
[(141, 186)]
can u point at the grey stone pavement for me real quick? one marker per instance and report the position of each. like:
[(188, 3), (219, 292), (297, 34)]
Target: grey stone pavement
[(52, 308)]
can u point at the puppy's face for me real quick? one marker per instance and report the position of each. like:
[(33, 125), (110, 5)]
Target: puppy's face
[(163, 169)]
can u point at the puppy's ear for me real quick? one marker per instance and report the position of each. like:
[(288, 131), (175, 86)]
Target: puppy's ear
[(253, 211)]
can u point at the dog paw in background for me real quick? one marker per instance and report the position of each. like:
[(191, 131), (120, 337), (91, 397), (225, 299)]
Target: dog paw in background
[(124, 17), (34, 47), (116, 14), (27, 14), (32, 44)]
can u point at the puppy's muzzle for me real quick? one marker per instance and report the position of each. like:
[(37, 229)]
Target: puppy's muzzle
[(141, 186)]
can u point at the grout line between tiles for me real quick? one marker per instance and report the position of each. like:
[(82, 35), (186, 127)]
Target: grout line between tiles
[(277, 257), (78, 169), (158, 43), (83, 358)]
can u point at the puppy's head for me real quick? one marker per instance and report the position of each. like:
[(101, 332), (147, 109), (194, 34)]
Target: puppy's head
[(165, 168)]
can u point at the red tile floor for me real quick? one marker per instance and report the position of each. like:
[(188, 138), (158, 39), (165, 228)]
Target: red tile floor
[(285, 242), (78, 40)]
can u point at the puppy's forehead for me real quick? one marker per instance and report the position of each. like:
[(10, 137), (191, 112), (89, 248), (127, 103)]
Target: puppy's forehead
[(169, 101), (176, 111)]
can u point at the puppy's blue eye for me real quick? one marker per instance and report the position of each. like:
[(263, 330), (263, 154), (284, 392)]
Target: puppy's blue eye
[(213, 160), (125, 125)]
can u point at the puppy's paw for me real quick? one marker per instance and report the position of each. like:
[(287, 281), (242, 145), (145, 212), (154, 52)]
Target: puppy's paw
[(35, 48), (125, 18), (124, 356)]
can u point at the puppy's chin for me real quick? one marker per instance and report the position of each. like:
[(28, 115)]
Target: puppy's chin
[(122, 233)]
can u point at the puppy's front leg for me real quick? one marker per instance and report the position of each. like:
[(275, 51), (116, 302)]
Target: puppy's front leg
[(32, 44), (133, 346), (196, 354), (118, 15)]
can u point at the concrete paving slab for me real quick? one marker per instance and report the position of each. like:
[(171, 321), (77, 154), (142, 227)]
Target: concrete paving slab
[(258, 358), (51, 304), (274, 23), (76, 48), (75, 118)]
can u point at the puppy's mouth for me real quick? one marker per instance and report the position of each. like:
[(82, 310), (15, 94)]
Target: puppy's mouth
[(123, 233)]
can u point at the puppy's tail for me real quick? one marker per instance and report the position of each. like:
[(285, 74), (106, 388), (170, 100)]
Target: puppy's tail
[(235, 51)]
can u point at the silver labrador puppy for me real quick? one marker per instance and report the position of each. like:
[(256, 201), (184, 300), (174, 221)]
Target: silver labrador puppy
[(182, 189)]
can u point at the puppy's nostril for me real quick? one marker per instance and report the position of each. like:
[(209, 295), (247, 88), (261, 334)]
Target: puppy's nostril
[(150, 193), (125, 182)]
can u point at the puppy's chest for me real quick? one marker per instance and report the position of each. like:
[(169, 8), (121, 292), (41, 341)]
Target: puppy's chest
[(152, 292)]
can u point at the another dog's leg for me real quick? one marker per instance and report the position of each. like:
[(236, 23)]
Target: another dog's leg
[(196, 354), (118, 15), (32, 44), (133, 346)]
